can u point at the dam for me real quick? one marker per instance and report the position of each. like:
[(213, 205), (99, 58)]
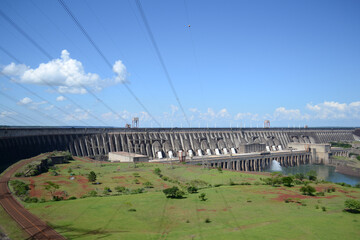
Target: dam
[(160, 143)]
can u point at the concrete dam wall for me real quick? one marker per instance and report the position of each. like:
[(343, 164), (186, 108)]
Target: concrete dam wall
[(19, 143)]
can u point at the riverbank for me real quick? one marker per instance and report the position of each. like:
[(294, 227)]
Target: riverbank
[(346, 166)]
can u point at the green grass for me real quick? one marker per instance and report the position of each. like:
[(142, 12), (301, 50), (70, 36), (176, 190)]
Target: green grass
[(235, 212)]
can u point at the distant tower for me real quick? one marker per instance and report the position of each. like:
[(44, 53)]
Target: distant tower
[(135, 122), (267, 124)]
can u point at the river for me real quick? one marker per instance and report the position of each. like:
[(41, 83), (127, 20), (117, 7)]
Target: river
[(324, 172)]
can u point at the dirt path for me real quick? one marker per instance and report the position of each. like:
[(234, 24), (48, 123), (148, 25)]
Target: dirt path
[(36, 228)]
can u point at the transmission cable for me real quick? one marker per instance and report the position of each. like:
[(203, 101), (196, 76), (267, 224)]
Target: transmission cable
[(162, 63), (50, 58), (22, 115), (84, 32), (36, 110)]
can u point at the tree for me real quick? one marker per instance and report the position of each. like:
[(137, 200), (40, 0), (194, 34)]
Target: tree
[(287, 181), (51, 187), (173, 192), (202, 197), (352, 205), (300, 176), (92, 176), (308, 190), (192, 189), (312, 175)]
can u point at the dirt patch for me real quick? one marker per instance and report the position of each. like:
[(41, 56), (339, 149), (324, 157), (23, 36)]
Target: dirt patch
[(165, 186), (81, 179), (47, 206), (201, 210), (119, 177), (225, 209), (351, 196)]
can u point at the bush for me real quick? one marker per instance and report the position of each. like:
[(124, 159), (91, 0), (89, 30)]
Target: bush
[(231, 182), (173, 192), (148, 184), (207, 220), (72, 198), (136, 181), (120, 189), (137, 190), (320, 194), (92, 176), (308, 190), (245, 183), (57, 198), (19, 174), (324, 209), (352, 205), (219, 170), (358, 157), (107, 190), (132, 210), (343, 184), (20, 188), (311, 175), (202, 197), (192, 189), (92, 193), (157, 171), (287, 181), (135, 174), (300, 176)]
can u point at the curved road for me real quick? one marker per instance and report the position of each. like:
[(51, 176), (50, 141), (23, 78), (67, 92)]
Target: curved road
[(36, 228)]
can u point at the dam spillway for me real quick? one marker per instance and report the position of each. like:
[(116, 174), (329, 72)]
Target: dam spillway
[(18, 143)]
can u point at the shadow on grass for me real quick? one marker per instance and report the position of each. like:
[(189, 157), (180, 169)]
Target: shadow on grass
[(74, 232)]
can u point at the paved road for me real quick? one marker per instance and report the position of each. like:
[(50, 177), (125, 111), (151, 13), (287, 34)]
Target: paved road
[(36, 228)]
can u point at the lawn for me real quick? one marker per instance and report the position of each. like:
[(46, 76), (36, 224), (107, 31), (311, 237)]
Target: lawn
[(236, 211)]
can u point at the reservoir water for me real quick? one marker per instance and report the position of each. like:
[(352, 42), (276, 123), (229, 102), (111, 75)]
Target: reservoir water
[(324, 172)]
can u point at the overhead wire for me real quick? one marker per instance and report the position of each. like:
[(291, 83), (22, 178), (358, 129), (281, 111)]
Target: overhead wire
[(9, 20), (102, 55), (162, 63), (29, 119), (34, 109), (34, 93)]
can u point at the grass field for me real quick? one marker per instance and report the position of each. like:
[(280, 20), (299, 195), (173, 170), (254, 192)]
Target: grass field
[(233, 211)]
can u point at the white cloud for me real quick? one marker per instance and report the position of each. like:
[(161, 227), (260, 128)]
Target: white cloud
[(282, 113), (120, 70), (25, 101), (78, 114), (65, 73), (247, 116), (6, 114), (223, 113), (335, 110), (60, 98)]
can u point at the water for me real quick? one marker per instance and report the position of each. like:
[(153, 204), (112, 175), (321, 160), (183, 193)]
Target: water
[(324, 172)]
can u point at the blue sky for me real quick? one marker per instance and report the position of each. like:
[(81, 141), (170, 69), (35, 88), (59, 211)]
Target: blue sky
[(295, 63)]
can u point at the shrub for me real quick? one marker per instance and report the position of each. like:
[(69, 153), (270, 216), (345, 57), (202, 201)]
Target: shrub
[(311, 175), (135, 174), (217, 185), (287, 181), (92, 176), (42, 200), (352, 205), (358, 157), (148, 184), (20, 188), (92, 193), (343, 184), (157, 171), (207, 220), (120, 189), (192, 189), (72, 198), (308, 190), (245, 183), (136, 181), (173, 192), (202, 197), (323, 208), (219, 170), (320, 194), (107, 190), (300, 176), (132, 210), (19, 174), (137, 190)]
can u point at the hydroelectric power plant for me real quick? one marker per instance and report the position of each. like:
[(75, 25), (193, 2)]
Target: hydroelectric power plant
[(246, 149)]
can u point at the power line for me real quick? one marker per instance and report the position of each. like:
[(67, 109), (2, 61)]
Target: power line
[(41, 113), (84, 32), (22, 115), (50, 58), (162, 63)]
